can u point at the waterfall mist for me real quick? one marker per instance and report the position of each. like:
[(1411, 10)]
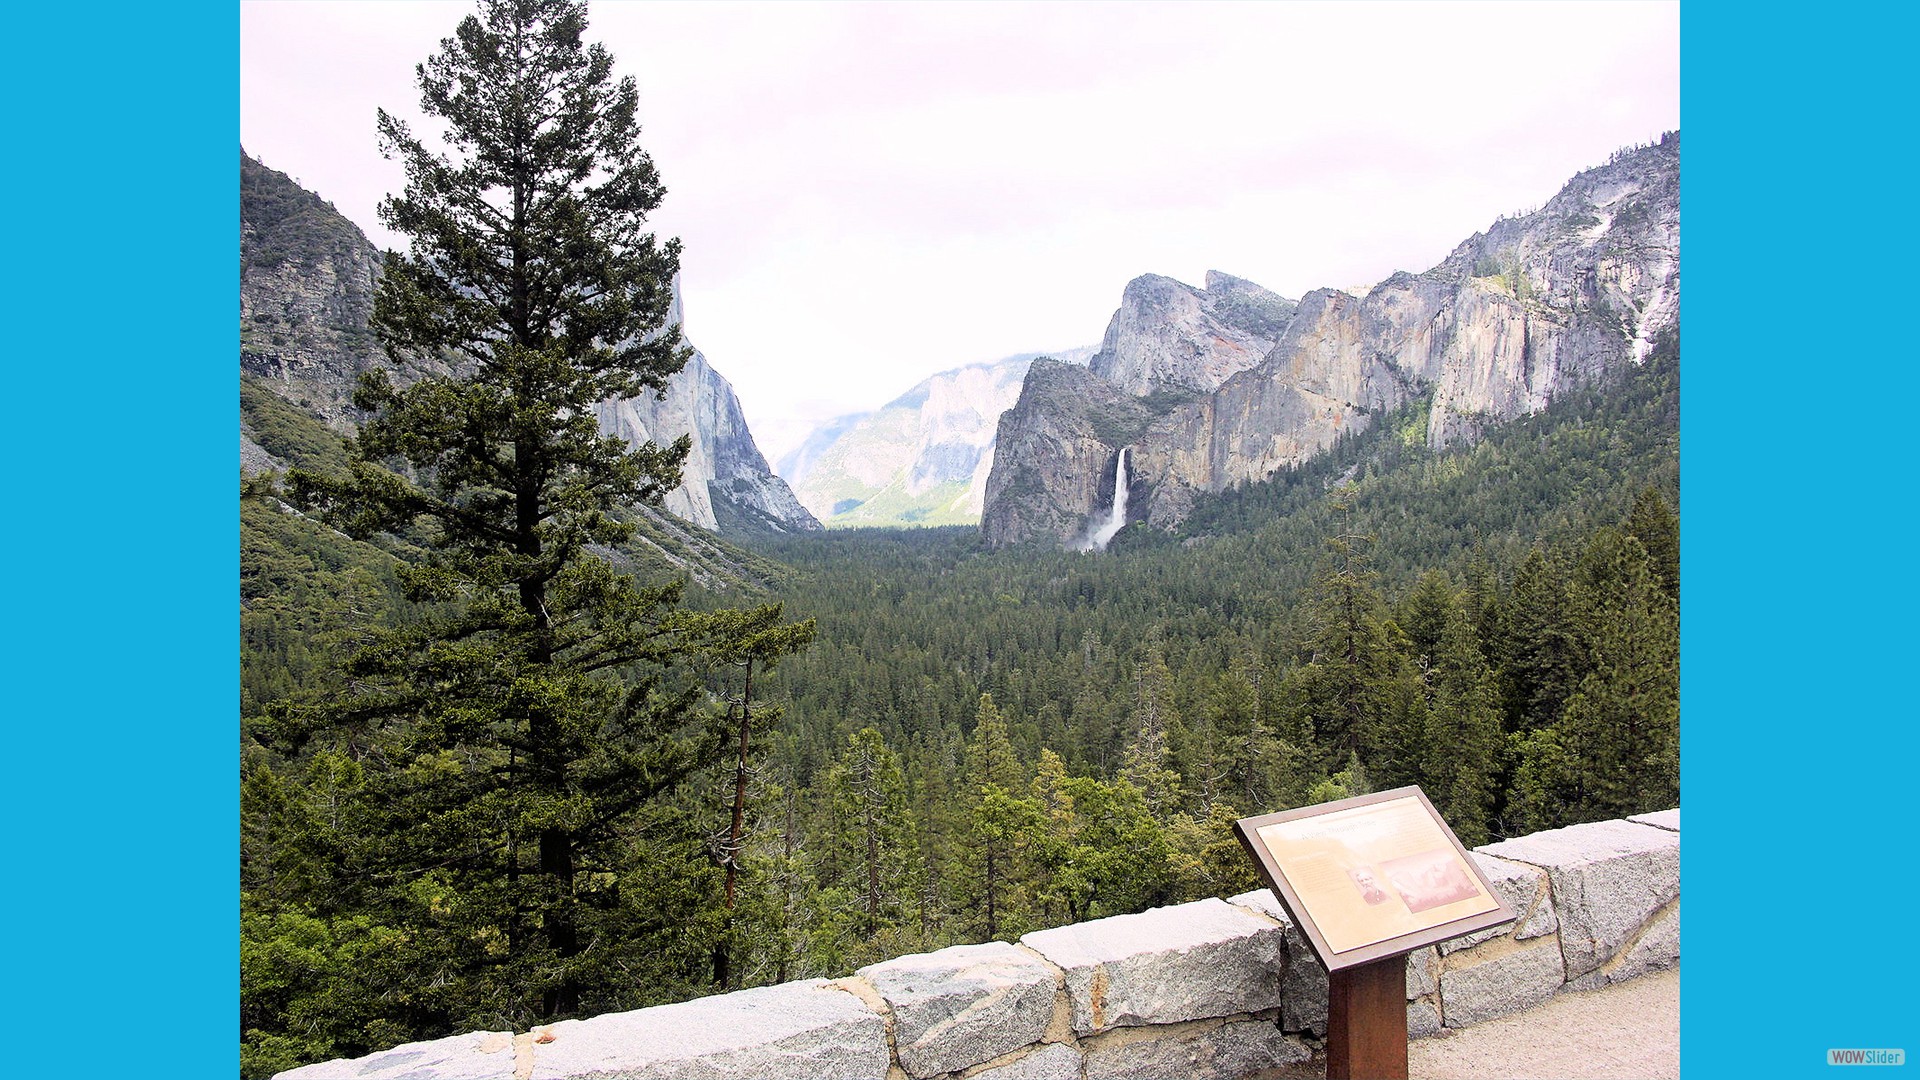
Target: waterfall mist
[(1117, 515)]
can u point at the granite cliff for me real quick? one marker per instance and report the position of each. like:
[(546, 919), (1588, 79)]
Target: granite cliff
[(306, 293), (1534, 305), (1056, 453), (725, 483), (1168, 336), (307, 277)]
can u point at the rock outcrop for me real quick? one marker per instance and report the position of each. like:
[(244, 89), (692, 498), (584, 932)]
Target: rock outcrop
[(1514, 316), (306, 292), (1173, 337), (1056, 450), (307, 277)]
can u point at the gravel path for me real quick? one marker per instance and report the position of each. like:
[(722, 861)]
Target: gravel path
[(1627, 1031)]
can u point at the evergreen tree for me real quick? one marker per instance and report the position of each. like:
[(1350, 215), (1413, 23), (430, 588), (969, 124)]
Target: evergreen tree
[(990, 759), (524, 731), (1545, 776), (751, 641), (1623, 721), (938, 788), (874, 856), (1253, 758), (1146, 765), (1464, 731), (1001, 826), (1425, 611), (1095, 848), (1614, 748), (1205, 858), (1344, 687), (789, 876), (1539, 651), (1053, 850), (1345, 784), (1197, 754), (1400, 749), (1653, 523)]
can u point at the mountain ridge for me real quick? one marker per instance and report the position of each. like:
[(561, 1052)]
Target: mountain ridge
[(1169, 336), (1513, 315)]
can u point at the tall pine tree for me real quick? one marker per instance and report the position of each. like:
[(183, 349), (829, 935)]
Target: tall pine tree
[(873, 854), (1001, 825), (524, 730), (1464, 737), (1347, 687)]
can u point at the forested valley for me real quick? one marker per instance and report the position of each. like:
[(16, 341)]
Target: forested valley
[(931, 743)]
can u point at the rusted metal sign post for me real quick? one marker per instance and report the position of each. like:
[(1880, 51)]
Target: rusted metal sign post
[(1368, 880)]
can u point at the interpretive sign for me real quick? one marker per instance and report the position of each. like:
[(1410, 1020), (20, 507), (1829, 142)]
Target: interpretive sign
[(1372, 876)]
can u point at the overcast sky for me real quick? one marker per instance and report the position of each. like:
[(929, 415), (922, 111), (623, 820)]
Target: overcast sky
[(873, 192)]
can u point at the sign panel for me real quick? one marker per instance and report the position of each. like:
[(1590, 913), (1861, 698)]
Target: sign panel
[(1372, 876)]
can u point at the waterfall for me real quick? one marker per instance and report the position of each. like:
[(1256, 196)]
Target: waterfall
[(1117, 516)]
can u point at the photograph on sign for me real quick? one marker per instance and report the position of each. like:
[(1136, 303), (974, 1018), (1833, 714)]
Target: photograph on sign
[(1370, 871)]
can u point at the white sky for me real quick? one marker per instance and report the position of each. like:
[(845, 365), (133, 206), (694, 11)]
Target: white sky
[(872, 192)]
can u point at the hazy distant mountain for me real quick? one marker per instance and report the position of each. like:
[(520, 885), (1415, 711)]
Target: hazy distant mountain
[(799, 461), (922, 459)]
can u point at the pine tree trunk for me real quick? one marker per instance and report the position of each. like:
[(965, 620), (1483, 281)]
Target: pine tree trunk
[(993, 927), (556, 861), (873, 873), (722, 966)]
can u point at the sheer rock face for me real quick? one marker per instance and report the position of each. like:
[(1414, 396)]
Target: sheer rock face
[(724, 464), (1320, 380), (1171, 336), (1514, 316), (306, 292), (307, 278), (1053, 465)]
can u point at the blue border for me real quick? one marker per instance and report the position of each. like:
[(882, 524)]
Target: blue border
[(1799, 864), (1797, 213), (124, 805)]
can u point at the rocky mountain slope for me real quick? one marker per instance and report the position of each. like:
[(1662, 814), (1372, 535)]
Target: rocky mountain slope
[(306, 293), (1168, 336), (922, 459), (1514, 315), (725, 478)]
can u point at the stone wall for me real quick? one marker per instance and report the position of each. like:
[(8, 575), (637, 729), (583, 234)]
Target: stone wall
[(1211, 989)]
